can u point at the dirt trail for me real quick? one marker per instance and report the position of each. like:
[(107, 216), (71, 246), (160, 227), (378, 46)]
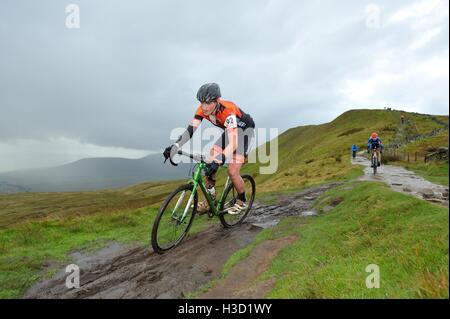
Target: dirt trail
[(121, 271), (404, 181), (136, 272), (241, 281)]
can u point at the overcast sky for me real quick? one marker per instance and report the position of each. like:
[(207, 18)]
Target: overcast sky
[(120, 83)]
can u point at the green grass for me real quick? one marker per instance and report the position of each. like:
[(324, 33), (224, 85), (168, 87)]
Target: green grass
[(16, 208), (426, 145), (406, 237), (26, 248)]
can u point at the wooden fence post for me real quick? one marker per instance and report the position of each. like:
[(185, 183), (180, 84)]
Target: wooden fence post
[(415, 157), (408, 157)]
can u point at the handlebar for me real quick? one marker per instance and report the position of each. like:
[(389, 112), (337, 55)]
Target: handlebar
[(195, 157)]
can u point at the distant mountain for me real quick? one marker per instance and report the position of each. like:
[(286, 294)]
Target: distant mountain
[(7, 188), (91, 174)]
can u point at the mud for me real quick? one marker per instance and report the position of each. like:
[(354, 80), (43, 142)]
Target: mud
[(135, 272), (404, 181), (241, 281), (298, 204), (119, 271)]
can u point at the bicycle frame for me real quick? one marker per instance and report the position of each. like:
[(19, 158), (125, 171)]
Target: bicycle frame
[(197, 181)]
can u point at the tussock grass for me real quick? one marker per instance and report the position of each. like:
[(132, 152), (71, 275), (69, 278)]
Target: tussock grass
[(406, 237)]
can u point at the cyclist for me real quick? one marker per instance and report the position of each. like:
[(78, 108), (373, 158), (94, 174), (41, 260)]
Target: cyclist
[(374, 143), (354, 150), (232, 147)]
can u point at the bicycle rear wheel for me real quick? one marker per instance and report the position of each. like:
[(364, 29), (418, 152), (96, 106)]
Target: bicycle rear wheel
[(231, 193), (169, 228), (374, 164)]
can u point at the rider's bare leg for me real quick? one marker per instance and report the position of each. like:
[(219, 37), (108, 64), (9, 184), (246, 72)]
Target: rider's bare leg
[(234, 168), (234, 171)]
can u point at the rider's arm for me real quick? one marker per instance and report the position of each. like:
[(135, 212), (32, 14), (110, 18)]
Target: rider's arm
[(186, 136)]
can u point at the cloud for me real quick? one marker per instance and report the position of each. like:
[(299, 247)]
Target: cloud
[(417, 10), (55, 151), (129, 75)]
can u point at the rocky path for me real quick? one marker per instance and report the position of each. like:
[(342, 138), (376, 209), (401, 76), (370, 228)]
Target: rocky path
[(402, 180)]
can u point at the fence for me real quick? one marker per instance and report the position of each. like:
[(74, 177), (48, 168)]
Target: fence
[(410, 157)]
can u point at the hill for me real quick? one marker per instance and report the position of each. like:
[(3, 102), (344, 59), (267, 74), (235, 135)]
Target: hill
[(314, 154), (91, 174)]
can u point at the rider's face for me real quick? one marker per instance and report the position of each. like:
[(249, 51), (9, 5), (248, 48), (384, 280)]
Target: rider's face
[(208, 108)]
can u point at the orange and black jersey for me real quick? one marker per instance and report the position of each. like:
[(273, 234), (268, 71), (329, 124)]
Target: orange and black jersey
[(227, 115)]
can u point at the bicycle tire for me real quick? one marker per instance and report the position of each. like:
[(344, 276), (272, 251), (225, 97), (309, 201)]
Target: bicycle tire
[(222, 217), (375, 164), (157, 247)]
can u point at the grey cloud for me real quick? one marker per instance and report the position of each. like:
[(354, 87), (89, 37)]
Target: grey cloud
[(130, 74)]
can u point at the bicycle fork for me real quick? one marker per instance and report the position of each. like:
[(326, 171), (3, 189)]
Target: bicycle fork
[(186, 208)]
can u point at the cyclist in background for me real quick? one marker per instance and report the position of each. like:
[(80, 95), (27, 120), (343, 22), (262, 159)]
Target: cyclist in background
[(354, 150)]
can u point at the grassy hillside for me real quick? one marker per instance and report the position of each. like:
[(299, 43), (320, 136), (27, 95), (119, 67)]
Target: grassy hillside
[(406, 237), (16, 208), (319, 153)]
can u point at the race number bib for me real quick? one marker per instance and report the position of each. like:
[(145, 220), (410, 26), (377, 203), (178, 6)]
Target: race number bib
[(231, 121)]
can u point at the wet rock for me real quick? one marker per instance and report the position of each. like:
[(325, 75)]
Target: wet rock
[(284, 202), (406, 189), (297, 204), (428, 195)]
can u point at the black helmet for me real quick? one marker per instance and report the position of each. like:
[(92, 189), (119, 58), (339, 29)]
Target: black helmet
[(208, 92)]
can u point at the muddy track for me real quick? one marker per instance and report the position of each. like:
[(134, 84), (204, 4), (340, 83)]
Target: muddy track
[(404, 181), (119, 271)]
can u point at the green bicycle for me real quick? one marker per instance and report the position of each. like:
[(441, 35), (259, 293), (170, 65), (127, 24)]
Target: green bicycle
[(177, 213)]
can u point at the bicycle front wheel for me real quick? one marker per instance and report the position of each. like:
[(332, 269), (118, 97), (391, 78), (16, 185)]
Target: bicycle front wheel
[(174, 218), (231, 194), (375, 165)]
